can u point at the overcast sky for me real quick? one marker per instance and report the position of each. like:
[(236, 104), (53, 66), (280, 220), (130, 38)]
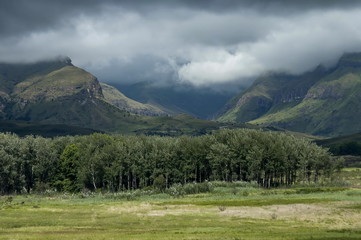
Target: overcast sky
[(203, 42)]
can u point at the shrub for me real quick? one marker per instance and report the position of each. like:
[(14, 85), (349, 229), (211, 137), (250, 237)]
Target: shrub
[(128, 195), (176, 190), (160, 183), (236, 184), (194, 188)]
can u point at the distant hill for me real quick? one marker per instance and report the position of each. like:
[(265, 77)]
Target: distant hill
[(348, 146), (344, 145), (177, 98), (323, 102), (22, 129)]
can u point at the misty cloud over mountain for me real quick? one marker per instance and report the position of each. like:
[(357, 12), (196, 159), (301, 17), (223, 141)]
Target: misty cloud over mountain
[(202, 42)]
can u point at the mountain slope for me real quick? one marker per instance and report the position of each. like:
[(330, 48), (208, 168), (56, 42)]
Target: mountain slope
[(115, 97), (12, 74), (269, 93), (321, 102), (63, 82)]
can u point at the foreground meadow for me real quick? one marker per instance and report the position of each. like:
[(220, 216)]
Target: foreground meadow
[(229, 211)]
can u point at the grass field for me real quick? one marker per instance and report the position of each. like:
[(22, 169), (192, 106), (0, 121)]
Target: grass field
[(227, 213)]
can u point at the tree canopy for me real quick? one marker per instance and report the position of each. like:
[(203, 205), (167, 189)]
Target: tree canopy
[(101, 161)]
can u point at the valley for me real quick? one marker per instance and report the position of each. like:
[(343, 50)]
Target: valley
[(187, 120)]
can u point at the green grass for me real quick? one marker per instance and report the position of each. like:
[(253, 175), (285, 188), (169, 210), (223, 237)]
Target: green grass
[(221, 214), (250, 202), (351, 176), (352, 169)]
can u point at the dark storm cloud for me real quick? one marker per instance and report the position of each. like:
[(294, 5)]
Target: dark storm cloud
[(201, 41), (21, 16), (146, 69)]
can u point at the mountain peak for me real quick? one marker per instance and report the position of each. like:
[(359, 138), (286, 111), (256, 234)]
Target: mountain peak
[(350, 60), (65, 60)]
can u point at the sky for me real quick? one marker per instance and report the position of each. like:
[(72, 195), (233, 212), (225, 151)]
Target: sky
[(203, 42)]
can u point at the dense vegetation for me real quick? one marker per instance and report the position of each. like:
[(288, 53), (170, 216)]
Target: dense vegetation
[(101, 161)]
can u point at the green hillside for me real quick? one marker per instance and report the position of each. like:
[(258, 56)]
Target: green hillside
[(254, 101), (321, 102)]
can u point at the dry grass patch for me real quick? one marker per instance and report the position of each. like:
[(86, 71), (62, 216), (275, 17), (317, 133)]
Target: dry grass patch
[(320, 214)]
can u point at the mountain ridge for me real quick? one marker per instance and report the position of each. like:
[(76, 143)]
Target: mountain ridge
[(316, 102), (115, 97)]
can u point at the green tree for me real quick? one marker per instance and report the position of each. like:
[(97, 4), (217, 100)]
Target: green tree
[(69, 169)]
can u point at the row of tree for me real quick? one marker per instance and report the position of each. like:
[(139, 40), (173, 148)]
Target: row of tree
[(101, 161)]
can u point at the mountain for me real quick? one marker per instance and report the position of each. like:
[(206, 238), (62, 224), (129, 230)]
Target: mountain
[(115, 97), (324, 102), (37, 95), (56, 92), (177, 98)]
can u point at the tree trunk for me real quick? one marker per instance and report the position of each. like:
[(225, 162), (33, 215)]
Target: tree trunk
[(120, 181), (93, 179), (166, 180), (128, 180)]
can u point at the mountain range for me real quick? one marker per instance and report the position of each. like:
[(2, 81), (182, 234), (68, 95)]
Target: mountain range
[(323, 102), (57, 92)]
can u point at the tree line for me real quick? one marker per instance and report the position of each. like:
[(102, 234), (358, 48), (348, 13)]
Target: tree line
[(117, 163)]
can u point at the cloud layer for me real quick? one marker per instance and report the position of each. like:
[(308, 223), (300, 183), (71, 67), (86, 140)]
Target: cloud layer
[(202, 42)]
